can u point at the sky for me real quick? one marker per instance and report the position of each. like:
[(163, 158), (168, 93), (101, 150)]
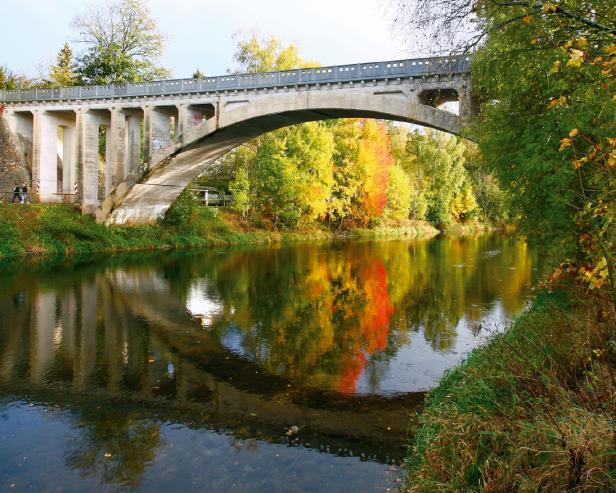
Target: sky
[(199, 33)]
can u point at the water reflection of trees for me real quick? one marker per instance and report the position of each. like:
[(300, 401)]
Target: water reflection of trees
[(114, 446), (320, 316), (314, 316)]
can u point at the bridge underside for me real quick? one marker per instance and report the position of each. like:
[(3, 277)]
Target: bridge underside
[(151, 197)]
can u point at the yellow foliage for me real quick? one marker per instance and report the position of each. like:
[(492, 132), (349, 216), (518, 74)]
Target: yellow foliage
[(564, 143), (577, 57), (597, 276), (549, 7)]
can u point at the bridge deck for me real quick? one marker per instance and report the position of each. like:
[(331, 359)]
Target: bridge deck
[(319, 75)]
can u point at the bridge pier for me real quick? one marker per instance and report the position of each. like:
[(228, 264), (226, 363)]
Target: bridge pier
[(469, 104), (53, 154), (160, 127), (134, 119), (192, 115)]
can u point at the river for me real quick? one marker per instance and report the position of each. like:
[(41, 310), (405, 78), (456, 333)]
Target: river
[(289, 368)]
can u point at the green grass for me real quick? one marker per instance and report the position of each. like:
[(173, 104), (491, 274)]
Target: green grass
[(533, 410), (61, 230)]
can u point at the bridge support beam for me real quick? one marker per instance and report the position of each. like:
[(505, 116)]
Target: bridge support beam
[(191, 115), (469, 105), (90, 188), (134, 119), (117, 146), (69, 172), (157, 128), (53, 154)]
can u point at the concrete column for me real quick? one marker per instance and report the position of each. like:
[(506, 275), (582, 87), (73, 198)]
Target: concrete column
[(36, 148), (133, 158), (116, 151), (45, 157), (88, 124), (189, 116), (69, 174), (157, 126), (469, 105)]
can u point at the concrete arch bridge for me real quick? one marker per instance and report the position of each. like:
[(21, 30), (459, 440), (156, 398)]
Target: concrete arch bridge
[(161, 135)]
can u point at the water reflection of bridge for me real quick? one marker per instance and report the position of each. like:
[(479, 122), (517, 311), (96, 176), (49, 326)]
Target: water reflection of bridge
[(122, 336)]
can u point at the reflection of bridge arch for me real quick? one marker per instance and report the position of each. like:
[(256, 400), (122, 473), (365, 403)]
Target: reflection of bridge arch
[(212, 388)]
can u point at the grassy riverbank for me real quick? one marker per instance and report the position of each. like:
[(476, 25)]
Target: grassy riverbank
[(60, 230), (534, 410)]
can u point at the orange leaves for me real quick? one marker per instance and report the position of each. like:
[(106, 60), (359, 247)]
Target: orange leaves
[(375, 159), (561, 101), (527, 19), (574, 132)]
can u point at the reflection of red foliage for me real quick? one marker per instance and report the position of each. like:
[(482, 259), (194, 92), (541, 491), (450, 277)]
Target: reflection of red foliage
[(352, 368), (378, 309), (373, 326)]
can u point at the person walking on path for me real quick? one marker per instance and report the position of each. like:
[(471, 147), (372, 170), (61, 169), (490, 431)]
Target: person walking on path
[(16, 194), (24, 194)]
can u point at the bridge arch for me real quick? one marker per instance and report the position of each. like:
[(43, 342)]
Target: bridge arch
[(239, 118)]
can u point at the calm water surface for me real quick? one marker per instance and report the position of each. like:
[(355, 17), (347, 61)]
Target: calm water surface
[(280, 369)]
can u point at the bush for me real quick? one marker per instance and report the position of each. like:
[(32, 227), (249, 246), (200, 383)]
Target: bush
[(531, 411)]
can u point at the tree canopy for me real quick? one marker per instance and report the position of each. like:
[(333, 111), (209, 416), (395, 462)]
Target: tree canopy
[(123, 44)]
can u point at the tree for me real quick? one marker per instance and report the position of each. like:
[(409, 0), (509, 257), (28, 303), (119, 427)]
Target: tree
[(10, 80), (63, 73), (399, 194), (240, 188), (437, 161), (197, 74), (255, 55), (123, 44), (546, 73)]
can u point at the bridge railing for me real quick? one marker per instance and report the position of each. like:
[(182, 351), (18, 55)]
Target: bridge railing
[(310, 76)]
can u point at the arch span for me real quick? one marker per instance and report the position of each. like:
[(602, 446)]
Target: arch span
[(240, 117)]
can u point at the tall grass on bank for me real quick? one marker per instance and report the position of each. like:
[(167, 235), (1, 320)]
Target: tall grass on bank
[(533, 410), (61, 230)]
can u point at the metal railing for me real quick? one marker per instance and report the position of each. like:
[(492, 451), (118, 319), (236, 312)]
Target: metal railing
[(308, 76)]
